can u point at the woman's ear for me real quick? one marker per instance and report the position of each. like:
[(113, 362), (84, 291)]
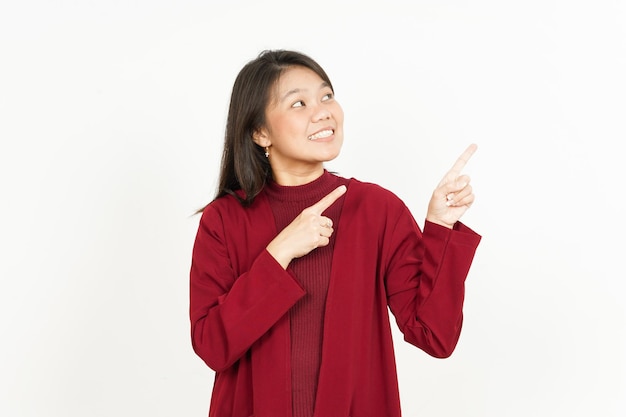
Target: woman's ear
[(261, 138)]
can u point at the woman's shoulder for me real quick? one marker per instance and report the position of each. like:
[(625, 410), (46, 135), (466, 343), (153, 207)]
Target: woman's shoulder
[(372, 189), (373, 194), (229, 207)]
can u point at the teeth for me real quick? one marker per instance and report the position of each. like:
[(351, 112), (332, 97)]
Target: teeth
[(322, 134)]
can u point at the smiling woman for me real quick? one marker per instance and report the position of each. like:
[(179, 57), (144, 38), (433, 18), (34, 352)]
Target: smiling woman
[(294, 268), (303, 127)]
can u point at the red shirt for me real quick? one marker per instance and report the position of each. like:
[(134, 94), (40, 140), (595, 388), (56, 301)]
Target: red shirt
[(240, 298), (306, 317)]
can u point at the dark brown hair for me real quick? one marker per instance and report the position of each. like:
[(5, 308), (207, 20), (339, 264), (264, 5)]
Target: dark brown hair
[(244, 167)]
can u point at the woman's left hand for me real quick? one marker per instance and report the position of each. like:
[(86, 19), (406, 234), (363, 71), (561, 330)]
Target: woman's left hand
[(453, 196)]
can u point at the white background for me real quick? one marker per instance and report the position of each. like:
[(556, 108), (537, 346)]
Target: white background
[(111, 124)]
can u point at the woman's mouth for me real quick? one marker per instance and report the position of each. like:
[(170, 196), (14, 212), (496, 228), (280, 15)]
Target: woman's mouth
[(322, 134)]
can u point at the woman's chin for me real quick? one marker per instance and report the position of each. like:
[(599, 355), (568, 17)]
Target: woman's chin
[(331, 155)]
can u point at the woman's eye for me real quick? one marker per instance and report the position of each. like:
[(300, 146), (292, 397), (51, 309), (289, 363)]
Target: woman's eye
[(327, 96), (298, 103)]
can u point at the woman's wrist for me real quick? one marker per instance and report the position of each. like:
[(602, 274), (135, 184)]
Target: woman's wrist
[(281, 257), (439, 222)]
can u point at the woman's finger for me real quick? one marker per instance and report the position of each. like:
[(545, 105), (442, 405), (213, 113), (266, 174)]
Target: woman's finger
[(326, 222)]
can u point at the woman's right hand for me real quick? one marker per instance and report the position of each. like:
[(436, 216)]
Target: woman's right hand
[(308, 231)]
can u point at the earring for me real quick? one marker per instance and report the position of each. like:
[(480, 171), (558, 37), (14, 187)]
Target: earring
[(267, 152)]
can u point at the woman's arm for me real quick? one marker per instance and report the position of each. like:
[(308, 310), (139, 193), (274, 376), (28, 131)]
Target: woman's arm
[(425, 282), (230, 313)]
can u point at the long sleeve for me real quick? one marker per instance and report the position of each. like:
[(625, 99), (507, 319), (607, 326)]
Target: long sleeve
[(425, 282), (241, 301), (230, 309)]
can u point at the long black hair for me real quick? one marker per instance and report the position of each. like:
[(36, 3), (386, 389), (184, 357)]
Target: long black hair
[(244, 167)]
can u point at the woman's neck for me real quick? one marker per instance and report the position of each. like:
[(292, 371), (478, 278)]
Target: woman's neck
[(289, 177)]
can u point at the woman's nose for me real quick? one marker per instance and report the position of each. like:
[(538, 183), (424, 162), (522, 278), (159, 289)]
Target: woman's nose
[(321, 114)]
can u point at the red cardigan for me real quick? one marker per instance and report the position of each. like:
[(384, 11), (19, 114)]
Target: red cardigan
[(240, 297)]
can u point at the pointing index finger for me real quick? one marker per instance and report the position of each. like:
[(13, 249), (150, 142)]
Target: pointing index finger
[(462, 160), (328, 200)]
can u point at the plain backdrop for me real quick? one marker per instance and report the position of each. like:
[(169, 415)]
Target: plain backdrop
[(111, 126)]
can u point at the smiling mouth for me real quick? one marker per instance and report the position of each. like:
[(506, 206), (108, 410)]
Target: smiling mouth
[(322, 134)]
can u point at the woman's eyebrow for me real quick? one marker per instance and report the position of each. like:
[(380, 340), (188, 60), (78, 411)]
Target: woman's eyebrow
[(290, 93), (323, 85)]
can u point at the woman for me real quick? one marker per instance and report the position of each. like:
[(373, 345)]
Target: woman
[(293, 267)]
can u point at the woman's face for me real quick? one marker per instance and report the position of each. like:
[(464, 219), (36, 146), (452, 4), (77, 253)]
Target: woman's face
[(304, 123)]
